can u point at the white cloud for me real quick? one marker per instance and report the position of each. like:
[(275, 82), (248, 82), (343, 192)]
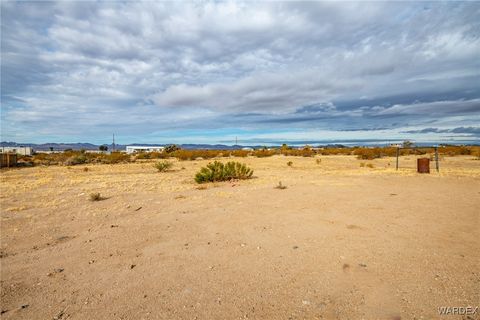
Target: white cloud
[(201, 64)]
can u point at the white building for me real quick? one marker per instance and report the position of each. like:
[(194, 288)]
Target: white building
[(24, 151), (135, 149)]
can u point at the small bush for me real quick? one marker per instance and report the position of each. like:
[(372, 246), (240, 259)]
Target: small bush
[(369, 165), (318, 161), (218, 171), (280, 186), (289, 163), (95, 196), (171, 148), (85, 169), (163, 166), (362, 164)]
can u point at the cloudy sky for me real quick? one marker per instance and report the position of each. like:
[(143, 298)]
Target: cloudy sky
[(267, 72)]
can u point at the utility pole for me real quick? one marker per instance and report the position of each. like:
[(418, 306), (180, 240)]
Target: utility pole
[(113, 143)]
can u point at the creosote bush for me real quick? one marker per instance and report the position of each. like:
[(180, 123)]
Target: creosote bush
[(289, 163), (163, 166), (217, 171)]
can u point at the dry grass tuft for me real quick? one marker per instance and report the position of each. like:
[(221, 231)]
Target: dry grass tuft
[(95, 196), (280, 186), (289, 163)]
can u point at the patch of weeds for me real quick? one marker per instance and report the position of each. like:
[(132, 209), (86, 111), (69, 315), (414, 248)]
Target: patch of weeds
[(370, 165), (318, 161), (289, 163), (362, 164), (95, 196)]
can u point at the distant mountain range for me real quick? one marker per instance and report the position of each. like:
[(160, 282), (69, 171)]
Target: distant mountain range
[(90, 146)]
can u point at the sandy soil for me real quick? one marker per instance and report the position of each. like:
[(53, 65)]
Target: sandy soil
[(341, 242)]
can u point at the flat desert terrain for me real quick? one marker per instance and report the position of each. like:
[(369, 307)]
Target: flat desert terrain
[(340, 242)]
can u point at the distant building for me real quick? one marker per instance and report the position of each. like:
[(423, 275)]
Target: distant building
[(24, 151), (136, 149), (247, 149)]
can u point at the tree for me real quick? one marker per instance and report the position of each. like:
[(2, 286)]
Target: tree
[(171, 148), (103, 148), (407, 144)]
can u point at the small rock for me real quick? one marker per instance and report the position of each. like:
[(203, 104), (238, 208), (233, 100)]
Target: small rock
[(362, 265), (305, 302), (132, 266), (114, 226), (243, 245), (295, 247), (24, 306), (91, 261)]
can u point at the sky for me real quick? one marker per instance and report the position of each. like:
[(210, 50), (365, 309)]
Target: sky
[(260, 72)]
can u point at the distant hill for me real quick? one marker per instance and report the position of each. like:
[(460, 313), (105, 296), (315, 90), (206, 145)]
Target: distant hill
[(90, 146)]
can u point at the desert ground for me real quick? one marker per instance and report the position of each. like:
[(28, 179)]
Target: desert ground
[(340, 242)]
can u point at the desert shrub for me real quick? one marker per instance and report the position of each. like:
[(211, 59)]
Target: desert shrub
[(143, 155), (318, 161), (335, 151), (194, 154), (218, 171), (289, 163), (368, 153), (77, 159), (369, 165), (240, 153), (171, 148), (115, 157), (163, 166), (305, 152), (95, 196), (362, 164), (280, 186), (455, 150), (85, 169), (263, 153)]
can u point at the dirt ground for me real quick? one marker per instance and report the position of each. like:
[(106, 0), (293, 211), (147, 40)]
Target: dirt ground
[(340, 242)]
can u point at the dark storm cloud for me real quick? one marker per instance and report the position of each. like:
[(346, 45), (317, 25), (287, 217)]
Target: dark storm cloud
[(151, 68)]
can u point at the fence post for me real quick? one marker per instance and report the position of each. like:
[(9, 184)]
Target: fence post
[(398, 152), (436, 159)]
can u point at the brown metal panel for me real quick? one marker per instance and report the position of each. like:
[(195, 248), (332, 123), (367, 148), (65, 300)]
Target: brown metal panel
[(423, 165)]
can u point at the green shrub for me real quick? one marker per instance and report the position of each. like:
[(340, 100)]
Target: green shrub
[(163, 166), (218, 171)]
